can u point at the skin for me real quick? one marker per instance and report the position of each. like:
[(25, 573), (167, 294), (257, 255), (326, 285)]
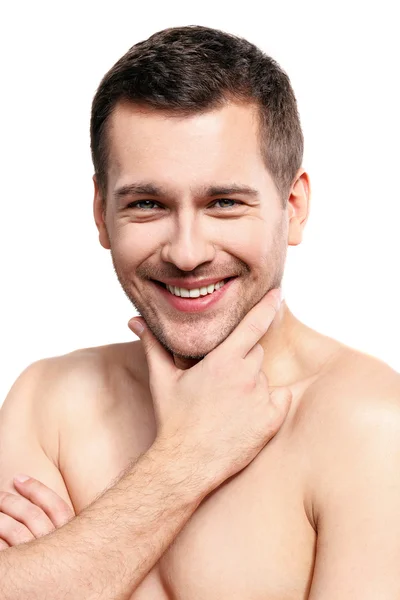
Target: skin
[(304, 519), (192, 234)]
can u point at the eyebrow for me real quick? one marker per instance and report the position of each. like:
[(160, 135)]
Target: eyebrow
[(151, 189)]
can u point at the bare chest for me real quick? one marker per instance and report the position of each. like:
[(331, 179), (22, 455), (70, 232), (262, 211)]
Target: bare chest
[(249, 539)]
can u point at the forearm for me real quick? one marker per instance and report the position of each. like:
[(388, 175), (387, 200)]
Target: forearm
[(108, 549)]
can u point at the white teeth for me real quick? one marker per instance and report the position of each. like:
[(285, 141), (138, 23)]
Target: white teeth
[(203, 291)]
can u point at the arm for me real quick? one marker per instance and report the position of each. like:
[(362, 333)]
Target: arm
[(357, 507), (106, 550), (112, 544)]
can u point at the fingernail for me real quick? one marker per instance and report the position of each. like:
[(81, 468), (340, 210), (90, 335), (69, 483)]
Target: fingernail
[(137, 327), (21, 478)]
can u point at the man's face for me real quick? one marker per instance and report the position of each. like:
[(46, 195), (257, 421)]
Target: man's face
[(182, 232)]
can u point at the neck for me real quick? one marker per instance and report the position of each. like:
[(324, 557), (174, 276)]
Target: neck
[(293, 352)]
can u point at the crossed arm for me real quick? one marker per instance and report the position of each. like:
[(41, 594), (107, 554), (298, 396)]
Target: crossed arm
[(356, 506), (105, 551)]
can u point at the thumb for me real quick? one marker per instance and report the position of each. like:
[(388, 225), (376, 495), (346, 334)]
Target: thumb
[(156, 355)]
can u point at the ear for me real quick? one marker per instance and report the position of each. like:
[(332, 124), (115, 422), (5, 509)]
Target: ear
[(298, 207), (99, 216)]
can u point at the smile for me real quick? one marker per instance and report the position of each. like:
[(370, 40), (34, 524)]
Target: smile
[(195, 300)]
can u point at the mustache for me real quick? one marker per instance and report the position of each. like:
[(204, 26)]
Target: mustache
[(148, 272)]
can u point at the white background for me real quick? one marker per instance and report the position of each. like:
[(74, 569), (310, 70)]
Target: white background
[(59, 291)]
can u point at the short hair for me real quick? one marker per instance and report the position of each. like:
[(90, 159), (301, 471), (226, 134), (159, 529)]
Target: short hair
[(192, 69)]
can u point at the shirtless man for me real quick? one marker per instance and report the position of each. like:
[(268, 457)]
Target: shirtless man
[(162, 447)]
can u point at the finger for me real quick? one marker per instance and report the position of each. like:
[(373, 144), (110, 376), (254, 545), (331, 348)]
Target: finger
[(156, 355), (58, 511), (30, 515), (3, 545), (251, 329), (14, 532), (255, 358), (281, 400)]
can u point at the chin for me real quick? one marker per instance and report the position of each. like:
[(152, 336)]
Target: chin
[(191, 352), (190, 357), (186, 348)]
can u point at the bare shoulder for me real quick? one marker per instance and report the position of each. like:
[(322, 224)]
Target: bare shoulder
[(54, 405), (354, 384), (104, 417), (73, 387), (105, 370), (348, 415)]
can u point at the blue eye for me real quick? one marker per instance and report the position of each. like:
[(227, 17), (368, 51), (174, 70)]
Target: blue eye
[(151, 202), (136, 204), (228, 200)]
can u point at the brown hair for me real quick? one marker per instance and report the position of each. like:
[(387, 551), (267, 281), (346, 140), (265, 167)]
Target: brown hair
[(184, 70)]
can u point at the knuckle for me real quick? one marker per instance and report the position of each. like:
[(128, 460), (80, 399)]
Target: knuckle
[(4, 501), (274, 419), (67, 513), (35, 485), (148, 347), (20, 532), (39, 493), (61, 506), (250, 384), (60, 511), (13, 500), (34, 513), (44, 531), (255, 328), (260, 349), (64, 513), (263, 379)]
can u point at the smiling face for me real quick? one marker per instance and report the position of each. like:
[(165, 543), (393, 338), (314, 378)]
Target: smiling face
[(177, 227)]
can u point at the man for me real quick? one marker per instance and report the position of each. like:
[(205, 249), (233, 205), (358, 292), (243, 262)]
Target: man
[(162, 446)]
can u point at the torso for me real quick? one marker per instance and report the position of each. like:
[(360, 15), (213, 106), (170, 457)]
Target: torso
[(251, 539)]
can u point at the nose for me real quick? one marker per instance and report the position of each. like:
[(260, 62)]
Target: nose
[(188, 245)]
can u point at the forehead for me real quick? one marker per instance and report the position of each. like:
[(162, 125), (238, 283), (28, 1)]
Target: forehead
[(218, 144)]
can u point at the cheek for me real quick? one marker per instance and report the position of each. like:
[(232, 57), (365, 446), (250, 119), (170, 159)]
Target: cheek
[(249, 241), (134, 244)]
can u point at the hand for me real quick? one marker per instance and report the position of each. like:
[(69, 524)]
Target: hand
[(37, 512), (220, 412)]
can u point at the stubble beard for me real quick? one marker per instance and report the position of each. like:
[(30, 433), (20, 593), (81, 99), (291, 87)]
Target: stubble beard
[(205, 331)]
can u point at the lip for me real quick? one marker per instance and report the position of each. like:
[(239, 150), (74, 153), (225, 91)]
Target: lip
[(194, 305)]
